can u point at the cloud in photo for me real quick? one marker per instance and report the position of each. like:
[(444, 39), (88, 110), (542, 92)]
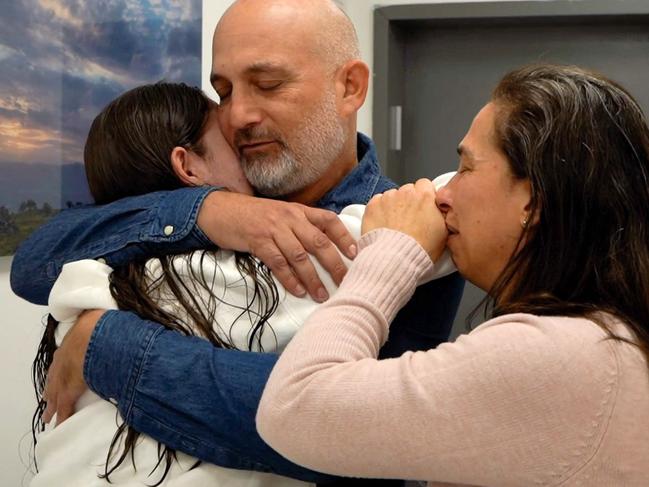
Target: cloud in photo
[(63, 60)]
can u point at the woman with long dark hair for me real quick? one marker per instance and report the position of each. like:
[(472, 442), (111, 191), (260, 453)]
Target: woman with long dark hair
[(162, 137), (548, 214), (157, 137)]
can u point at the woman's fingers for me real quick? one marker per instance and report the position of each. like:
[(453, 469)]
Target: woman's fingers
[(411, 210)]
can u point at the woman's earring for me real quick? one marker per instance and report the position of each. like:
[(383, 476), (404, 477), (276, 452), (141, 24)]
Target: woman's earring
[(525, 221)]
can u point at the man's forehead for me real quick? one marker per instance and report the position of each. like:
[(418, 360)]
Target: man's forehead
[(254, 45), (240, 48), (271, 15), (265, 26), (257, 54)]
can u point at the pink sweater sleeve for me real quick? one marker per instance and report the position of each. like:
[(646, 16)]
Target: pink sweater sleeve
[(513, 403)]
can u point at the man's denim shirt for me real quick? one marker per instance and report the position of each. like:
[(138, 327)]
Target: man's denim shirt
[(182, 390)]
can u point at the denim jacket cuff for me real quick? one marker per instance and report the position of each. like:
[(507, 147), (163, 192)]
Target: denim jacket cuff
[(116, 354), (176, 216)]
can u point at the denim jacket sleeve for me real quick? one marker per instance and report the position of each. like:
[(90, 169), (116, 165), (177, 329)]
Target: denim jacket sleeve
[(186, 393), (202, 400), (155, 223)]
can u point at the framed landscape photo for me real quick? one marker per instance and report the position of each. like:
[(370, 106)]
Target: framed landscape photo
[(62, 62)]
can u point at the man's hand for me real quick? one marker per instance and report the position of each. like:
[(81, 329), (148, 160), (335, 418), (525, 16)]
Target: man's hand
[(65, 384), (281, 235)]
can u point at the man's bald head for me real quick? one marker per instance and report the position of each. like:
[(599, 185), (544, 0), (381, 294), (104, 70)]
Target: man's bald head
[(290, 85), (319, 25)]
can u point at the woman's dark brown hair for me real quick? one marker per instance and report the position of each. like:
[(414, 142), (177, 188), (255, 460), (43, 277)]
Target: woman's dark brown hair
[(127, 153), (129, 144), (582, 141)]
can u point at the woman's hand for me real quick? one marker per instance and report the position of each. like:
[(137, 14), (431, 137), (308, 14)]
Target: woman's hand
[(412, 210), (65, 383)]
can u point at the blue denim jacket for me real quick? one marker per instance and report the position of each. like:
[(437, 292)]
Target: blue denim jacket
[(181, 390)]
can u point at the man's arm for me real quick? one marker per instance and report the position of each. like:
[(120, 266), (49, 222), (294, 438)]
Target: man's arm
[(120, 232), (280, 234), (148, 372), (197, 398)]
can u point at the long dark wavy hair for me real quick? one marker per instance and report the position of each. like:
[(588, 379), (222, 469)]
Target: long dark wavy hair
[(582, 141), (127, 153)]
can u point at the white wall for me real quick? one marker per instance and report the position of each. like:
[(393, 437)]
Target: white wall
[(212, 12), (20, 331)]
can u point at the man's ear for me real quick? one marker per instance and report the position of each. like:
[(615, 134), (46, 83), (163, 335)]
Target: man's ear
[(183, 165), (352, 83)]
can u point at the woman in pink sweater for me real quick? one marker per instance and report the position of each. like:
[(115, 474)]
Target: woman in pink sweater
[(548, 213)]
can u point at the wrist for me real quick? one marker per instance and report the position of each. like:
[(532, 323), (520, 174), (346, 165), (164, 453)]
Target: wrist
[(116, 352), (389, 266), (219, 218), (82, 331), (207, 211)]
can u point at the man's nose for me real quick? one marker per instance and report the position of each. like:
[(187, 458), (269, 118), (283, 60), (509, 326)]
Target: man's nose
[(244, 112)]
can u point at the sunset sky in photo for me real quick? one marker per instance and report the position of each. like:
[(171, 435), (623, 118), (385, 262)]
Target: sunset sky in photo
[(64, 60)]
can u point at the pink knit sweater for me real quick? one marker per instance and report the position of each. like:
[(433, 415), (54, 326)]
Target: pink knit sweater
[(520, 401)]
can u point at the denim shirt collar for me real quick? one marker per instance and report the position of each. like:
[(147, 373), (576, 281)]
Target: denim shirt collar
[(360, 184)]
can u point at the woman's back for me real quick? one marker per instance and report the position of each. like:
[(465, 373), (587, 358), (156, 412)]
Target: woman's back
[(522, 400), (624, 450)]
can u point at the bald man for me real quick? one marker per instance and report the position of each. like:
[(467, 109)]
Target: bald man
[(290, 85)]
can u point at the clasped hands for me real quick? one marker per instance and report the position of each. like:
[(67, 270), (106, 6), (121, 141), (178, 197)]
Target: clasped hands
[(281, 235)]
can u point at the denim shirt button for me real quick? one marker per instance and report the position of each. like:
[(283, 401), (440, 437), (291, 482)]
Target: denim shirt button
[(168, 230)]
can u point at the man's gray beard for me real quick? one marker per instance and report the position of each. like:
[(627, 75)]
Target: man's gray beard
[(319, 141)]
